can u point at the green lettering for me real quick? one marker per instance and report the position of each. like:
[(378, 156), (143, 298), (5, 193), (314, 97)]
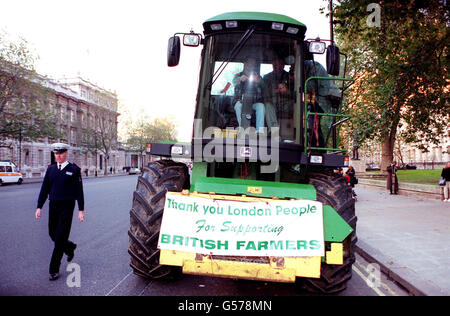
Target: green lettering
[(314, 244), (301, 244), (290, 245), (240, 244), (177, 240), (222, 244), (165, 239), (210, 244), (263, 245), (279, 209), (225, 227), (276, 245)]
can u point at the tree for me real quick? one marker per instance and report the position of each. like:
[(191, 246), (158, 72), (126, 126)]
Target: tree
[(400, 69), (101, 137), (145, 131), (24, 98)]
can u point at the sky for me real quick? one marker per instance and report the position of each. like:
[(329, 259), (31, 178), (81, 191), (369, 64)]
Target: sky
[(122, 45)]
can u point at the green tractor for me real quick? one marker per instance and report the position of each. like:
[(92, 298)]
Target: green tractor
[(263, 200)]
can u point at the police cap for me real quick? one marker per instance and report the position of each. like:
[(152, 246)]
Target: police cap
[(59, 148)]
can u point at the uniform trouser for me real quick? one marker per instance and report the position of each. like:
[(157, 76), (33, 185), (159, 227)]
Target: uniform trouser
[(59, 224)]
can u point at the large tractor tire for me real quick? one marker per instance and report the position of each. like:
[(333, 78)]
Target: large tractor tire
[(333, 190), (146, 215)]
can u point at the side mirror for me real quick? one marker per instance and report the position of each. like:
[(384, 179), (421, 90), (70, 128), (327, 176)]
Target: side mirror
[(333, 60), (173, 51)]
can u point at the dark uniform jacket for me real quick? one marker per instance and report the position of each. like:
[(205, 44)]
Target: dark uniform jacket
[(62, 185)]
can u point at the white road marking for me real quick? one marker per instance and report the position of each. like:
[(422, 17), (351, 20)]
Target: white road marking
[(143, 290), (107, 294)]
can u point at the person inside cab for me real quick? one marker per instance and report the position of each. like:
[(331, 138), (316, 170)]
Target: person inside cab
[(248, 95), (323, 97), (277, 92)]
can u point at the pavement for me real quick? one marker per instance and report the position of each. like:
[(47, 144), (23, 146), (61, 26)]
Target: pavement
[(409, 240)]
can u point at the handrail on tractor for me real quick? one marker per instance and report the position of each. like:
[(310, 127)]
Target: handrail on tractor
[(307, 113)]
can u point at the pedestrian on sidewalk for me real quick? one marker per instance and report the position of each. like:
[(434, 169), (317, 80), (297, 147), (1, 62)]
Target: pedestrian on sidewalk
[(445, 174), (63, 186), (350, 176), (392, 180), (351, 173)]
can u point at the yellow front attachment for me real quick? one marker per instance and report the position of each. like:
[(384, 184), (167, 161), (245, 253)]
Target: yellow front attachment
[(278, 269)]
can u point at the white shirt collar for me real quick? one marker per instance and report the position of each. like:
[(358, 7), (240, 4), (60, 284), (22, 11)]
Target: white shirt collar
[(63, 165)]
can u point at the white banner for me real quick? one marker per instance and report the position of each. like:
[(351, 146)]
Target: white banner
[(221, 227)]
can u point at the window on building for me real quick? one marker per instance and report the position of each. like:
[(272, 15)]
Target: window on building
[(27, 157), (63, 113), (40, 157), (73, 136)]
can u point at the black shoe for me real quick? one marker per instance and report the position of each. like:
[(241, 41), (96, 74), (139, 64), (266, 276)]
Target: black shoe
[(54, 276), (71, 254)]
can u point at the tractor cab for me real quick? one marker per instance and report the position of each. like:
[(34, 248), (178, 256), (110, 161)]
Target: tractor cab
[(259, 80)]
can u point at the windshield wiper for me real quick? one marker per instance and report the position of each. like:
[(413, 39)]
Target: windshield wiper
[(236, 49)]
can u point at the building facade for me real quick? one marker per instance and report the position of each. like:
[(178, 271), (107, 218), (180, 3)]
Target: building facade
[(435, 158), (80, 106)]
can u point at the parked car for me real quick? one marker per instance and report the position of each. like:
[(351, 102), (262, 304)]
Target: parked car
[(9, 174), (134, 171), (126, 168), (372, 167)]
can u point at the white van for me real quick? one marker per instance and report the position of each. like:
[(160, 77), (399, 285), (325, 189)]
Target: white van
[(8, 173)]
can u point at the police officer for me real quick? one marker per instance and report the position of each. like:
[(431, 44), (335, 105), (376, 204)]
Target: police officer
[(63, 186)]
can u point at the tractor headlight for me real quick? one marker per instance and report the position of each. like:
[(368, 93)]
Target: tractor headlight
[(277, 26), (216, 27), (176, 150), (231, 24), (316, 159), (317, 47), (192, 40), (292, 30)]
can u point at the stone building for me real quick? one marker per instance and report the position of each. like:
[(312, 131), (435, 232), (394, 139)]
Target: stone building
[(435, 158), (79, 105)]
